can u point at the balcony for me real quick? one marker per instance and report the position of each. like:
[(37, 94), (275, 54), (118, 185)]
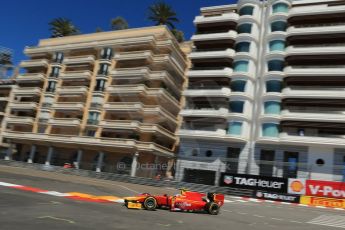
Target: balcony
[(315, 30), (75, 75), (217, 134), (316, 10), (226, 17), (27, 91), (64, 122), (20, 120), (76, 106), (228, 53), (315, 50), (223, 92), (135, 55), (73, 90), (136, 125), (231, 35), (317, 115), (138, 108), (88, 59), (130, 73), (30, 77), (205, 112), (304, 92), (34, 63), (23, 105), (225, 72), (126, 89), (314, 71), (102, 143)]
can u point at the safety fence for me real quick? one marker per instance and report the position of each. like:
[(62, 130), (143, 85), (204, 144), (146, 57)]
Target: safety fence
[(121, 177), (294, 190)]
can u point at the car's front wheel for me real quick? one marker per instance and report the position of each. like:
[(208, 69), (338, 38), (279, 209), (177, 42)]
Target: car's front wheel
[(213, 208), (150, 203)]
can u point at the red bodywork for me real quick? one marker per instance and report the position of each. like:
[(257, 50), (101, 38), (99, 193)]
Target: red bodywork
[(186, 201)]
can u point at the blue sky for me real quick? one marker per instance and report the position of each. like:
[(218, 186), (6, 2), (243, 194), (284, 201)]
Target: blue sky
[(25, 22)]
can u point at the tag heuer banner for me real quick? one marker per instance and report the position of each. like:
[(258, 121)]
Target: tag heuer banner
[(253, 182)]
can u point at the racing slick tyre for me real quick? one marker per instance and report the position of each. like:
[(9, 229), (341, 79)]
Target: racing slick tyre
[(150, 203), (212, 208)]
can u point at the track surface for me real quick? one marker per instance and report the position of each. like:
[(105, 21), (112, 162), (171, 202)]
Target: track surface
[(29, 211)]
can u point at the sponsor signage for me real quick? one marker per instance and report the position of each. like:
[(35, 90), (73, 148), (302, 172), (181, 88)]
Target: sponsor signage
[(296, 186), (323, 201), (325, 189), (277, 196), (253, 182)]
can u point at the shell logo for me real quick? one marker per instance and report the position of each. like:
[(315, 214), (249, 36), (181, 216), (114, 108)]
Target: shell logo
[(297, 186)]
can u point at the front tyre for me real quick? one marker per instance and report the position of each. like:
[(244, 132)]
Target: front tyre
[(150, 203), (213, 208)]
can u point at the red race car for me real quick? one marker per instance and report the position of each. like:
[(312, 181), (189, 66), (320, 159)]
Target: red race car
[(186, 201)]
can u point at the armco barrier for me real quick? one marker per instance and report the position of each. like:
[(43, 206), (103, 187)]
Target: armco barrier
[(129, 179)]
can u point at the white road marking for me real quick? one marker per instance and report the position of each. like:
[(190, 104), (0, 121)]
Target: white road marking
[(258, 216), (9, 185), (55, 218), (276, 219), (226, 210), (54, 193), (329, 220)]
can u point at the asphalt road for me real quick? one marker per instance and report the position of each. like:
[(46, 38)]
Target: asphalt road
[(29, 211)]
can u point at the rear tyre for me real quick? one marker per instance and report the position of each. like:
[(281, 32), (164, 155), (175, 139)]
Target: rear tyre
[(213, 208), (150, 203)]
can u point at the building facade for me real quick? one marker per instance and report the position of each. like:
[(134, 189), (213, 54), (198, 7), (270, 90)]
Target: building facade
[(266, 92), (106, 101)]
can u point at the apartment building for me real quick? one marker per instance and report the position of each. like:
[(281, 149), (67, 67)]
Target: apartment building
[(266, 92), (106, 101)]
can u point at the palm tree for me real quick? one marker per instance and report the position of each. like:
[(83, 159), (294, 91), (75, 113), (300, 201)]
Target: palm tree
[(162, 14), (61, 27), (119, 23), (179, 35)]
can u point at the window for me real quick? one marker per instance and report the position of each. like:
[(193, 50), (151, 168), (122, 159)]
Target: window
[(244, 28), (320, 162), (91, 133), (290, 164), (103, 69), (270, 130), (273, 86), (232, 155), (242, 47), (280, 8), (238, 86), (247, 10), (100, 85), (276, 65), (195, 152), (266, 162), (277, 45), (106, 53), (235, 128), (209, 153), (55, 71), (278, 26), (272, 107), (51, 86), (93, 118), (241, 66), (58, 57), (236, 106)]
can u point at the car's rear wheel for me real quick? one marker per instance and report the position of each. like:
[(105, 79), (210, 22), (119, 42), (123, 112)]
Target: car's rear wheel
[(213, 208), (150, 203)]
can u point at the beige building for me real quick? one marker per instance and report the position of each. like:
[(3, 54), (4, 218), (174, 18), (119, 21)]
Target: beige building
[(104, 101)]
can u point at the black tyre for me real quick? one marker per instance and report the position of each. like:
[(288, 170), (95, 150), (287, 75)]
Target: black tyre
[(213, 208), (150, 203)]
